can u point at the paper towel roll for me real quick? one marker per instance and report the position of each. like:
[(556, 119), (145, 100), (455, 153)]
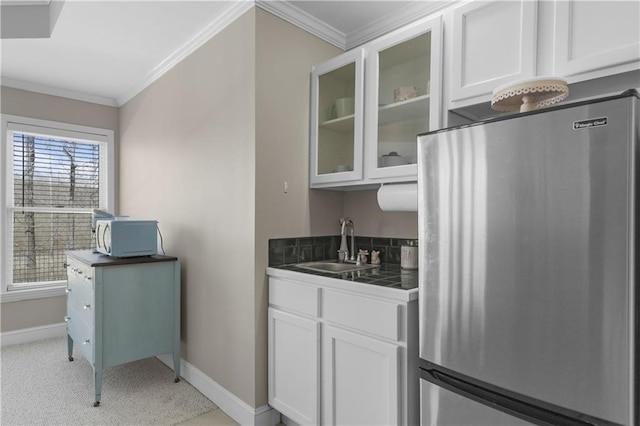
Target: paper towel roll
[(398, 197)]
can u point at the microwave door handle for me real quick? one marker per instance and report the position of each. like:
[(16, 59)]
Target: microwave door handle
[(104, 232), (103, 229)]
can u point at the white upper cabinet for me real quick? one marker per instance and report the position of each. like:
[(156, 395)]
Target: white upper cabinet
[(501, 41), (596, 37), (493, 43), (403, 98), (375, 141), (336, 119)]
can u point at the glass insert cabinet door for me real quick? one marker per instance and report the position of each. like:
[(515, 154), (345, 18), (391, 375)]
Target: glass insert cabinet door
[(403, 96), (337, 119)]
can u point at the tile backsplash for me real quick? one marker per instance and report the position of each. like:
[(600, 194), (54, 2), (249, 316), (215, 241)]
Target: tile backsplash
[(283, 251)]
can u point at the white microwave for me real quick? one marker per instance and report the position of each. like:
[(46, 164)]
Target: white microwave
[(127, 238)]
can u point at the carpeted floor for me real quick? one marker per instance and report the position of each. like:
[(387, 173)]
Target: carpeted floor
[(39, 386)]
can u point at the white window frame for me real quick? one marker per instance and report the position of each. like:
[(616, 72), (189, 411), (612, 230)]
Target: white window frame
[(12, 123)]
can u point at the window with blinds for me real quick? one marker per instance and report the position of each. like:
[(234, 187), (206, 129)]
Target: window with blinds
[(56, 183), (55, 180)]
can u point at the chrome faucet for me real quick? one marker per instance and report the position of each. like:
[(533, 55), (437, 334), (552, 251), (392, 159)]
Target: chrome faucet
[(343, 253)]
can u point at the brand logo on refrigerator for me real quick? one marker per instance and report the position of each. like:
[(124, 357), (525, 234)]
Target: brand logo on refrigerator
[(588, 124)]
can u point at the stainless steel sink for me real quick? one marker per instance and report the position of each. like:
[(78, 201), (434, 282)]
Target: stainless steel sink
[(333, 267)]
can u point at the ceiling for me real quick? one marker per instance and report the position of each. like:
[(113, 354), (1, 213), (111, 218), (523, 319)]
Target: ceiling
[(107, 51)]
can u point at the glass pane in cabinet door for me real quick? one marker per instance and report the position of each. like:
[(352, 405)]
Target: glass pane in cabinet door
[(403, 100), (336, 123)]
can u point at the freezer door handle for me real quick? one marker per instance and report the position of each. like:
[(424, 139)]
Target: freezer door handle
[(539, 413)]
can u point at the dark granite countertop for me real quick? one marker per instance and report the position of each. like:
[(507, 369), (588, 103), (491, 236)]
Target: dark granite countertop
[(386, 275)]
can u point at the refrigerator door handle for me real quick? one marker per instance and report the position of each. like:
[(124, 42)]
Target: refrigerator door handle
[(530, 412)]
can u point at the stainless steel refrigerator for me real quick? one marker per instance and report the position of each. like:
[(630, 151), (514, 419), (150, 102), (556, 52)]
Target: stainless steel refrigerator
[(528, 253)]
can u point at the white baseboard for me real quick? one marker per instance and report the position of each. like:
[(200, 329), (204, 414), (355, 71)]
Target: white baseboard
[(287, 421), (233, 406), (32, 334)]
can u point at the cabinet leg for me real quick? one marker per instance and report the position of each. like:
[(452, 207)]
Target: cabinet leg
[(97, 380), (70, 347), (176, 365)]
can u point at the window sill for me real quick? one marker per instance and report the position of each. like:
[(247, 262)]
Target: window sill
[(32, 293)]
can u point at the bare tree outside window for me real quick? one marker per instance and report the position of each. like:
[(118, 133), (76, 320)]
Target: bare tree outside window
[(29, 173), (70, 151)]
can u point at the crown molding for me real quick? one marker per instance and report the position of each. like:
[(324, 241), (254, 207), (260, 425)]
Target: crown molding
[(55, 91), (301, 19), (232, 13), (283, 9), (402, 17)]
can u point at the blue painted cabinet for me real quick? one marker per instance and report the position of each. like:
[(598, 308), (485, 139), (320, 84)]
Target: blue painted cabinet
[(122, 310)]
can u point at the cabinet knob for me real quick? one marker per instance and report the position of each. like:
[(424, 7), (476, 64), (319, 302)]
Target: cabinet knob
[(86, 306), (67, 318), (87, 278), (86, 341), (67, 290)]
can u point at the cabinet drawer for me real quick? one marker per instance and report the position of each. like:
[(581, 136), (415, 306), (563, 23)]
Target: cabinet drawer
[(80, 291), (81, 298), (82, 310), (78, 269), (80, 332), (373, 316), (79, 281), (295, 297)]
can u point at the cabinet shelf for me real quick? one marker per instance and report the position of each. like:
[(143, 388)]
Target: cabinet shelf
[(410, 109), (342, 124)]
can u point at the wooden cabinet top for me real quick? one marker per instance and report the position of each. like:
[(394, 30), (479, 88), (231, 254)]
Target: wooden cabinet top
[(98, 259)]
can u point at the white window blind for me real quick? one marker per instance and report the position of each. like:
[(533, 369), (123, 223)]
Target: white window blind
[(56, 178)]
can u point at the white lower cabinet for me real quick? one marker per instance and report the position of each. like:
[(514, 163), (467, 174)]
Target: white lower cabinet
[(294, 366), (360, 380), (342, 356)]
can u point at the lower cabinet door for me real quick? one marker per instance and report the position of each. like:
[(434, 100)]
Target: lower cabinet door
[(294, 369), (360, 379), (81, 333)]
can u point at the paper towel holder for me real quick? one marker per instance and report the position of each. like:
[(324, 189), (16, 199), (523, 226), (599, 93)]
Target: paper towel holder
[(398, 197)]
